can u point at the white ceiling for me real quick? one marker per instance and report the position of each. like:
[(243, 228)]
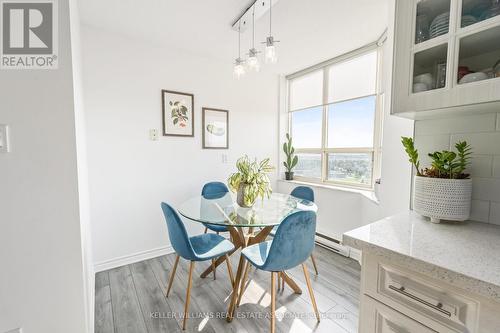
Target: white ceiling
[(310, 31)]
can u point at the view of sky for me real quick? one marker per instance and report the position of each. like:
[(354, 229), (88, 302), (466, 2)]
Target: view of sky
[(350, 124)]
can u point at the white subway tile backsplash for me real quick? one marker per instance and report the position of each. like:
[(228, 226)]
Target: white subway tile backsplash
[(496, 166), (466, 124), (495, 213), (485, 188), (481, 166), (480, 210), (481, 143)]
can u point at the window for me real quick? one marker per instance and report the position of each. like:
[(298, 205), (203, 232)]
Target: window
[(333, 119)]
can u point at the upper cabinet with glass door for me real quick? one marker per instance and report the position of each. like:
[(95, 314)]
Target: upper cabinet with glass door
[(446, 57)]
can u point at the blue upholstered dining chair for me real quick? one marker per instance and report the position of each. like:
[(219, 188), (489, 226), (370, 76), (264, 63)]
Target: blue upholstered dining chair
[(305, 193), (196, 248), (214, 190), (292, 244)]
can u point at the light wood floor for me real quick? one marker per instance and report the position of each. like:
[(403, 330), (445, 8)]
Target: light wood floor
[(132, 298)]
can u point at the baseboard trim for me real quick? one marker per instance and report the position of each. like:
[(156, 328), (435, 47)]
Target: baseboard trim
[(132, 258)]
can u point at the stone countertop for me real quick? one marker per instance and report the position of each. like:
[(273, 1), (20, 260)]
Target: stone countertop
[(464, 254)]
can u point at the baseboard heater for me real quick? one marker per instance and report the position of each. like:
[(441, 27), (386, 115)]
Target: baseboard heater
[(332, 244)]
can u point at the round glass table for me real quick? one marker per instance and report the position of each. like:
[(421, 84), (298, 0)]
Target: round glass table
[(258, 221), (223, 210)]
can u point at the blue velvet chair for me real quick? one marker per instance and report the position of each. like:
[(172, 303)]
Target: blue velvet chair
[(305, 193), (196, 248), (214, 190), (292, 244)]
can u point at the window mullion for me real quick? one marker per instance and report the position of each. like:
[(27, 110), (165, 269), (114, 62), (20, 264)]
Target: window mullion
[(324, 129)]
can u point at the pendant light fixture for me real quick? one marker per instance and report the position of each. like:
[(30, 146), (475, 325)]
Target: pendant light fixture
[(239, 69), (253, 61), (270, 53)]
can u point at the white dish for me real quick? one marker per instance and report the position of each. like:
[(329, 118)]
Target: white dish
[(425, 78), (419, 87), (473, 77)]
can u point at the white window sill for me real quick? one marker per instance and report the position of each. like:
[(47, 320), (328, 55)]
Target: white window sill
[(369, 194)]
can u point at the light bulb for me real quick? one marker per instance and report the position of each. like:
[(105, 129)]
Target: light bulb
[(238, 70), (253, 63), (271, 54)]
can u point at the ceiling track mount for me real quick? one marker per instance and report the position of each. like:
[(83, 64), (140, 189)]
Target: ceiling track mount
[(260, 7)]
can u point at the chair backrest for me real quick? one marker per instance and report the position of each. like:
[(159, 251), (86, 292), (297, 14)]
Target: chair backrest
[(177, 233), (214, 190), (293, 242), (303, 192)]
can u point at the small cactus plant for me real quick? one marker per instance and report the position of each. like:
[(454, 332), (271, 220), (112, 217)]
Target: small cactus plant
[(291, 158)]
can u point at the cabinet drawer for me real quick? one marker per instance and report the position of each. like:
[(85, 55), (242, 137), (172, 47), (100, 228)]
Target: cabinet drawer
[(379, 318), (397, 287)]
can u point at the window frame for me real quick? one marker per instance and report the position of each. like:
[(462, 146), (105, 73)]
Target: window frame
[(324, 151)]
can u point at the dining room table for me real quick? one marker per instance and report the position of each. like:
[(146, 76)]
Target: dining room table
[(246, 226)]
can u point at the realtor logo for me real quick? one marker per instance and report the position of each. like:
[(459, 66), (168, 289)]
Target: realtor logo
[(29, 34)]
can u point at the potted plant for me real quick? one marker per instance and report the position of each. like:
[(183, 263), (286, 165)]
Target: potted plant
[(251, 181), (291, 158), (443, 191)]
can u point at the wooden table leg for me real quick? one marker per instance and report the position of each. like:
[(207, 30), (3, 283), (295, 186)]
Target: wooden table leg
[(289, 281), (238, 234), (237, 244)]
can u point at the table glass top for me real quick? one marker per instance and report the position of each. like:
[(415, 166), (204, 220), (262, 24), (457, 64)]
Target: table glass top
[(225, 211)]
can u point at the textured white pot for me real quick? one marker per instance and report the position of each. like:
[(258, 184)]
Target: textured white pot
[(442, 199)]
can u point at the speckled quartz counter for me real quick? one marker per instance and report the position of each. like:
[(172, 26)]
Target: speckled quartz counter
[(464, 254)]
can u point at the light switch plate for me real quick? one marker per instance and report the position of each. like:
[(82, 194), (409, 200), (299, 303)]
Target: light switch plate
[(4, 138), (153, 134)]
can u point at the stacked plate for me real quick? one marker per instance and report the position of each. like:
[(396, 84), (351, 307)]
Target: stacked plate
[(468, 20), (439, 25)]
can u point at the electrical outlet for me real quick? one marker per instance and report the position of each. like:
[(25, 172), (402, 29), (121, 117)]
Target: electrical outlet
[(224, 158), (4, 138), (153, 134)]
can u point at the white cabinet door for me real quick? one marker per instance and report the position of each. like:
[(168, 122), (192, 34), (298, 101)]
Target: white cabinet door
[(379, 318)]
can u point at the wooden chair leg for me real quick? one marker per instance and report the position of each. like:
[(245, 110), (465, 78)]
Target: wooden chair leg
[(243, 282), (311, 293), (213, 267), (273, 302), (188, 294), (206, 229), (172, 274), (230, 270), (314, 264)]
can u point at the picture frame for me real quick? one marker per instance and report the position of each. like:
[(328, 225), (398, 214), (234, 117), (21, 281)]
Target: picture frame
[(177, 113), (215, 128)]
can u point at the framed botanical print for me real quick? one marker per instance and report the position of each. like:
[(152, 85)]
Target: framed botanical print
[(177, 113), (215, 128)]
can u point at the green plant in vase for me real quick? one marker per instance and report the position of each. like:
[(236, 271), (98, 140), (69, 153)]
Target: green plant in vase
[(442, 191), (291, 158), (251, 181)]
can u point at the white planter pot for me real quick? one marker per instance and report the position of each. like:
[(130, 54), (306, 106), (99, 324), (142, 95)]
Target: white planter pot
[(442, 199)]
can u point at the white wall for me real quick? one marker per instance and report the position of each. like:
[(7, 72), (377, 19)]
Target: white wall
[(482, 132), (343, 210), (42, 276), (129, 174)]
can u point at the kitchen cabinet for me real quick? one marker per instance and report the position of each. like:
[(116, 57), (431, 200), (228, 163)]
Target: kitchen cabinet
[(395, 299), (418, 276), (446, 58)]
